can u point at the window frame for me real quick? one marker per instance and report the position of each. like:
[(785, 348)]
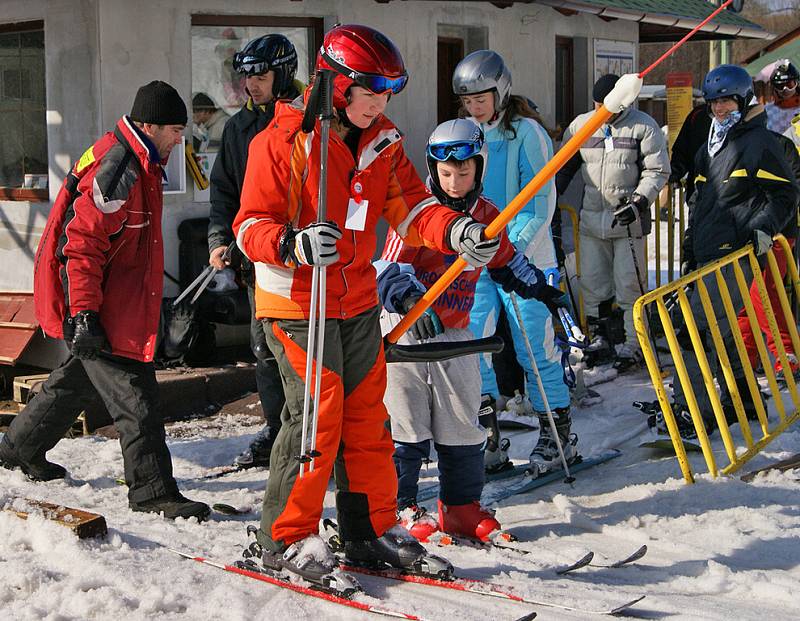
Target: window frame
[(8, 193)]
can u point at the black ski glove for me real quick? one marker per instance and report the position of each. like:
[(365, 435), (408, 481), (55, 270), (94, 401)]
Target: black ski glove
[(629, 209), (428, 325), (553, 298), (85, 335)]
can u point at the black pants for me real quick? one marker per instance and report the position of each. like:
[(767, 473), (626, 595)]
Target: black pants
[(268, 378), (129, 391)]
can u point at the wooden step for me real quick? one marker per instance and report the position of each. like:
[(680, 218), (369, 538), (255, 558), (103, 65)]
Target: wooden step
[(83, 523)]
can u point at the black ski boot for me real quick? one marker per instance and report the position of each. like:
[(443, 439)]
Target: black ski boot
[(495, 455), (259, 451), (545, 456), (683, 418), (35, 470), (173, 506), (600, 349), (399, 549), (310, 560), (628, 358)]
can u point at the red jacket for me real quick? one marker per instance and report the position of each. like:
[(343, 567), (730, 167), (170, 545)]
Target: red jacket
[(454, 305), (281, 187), (102, 245)]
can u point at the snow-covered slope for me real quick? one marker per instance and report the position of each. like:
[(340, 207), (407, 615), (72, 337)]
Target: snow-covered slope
[(721, 549)]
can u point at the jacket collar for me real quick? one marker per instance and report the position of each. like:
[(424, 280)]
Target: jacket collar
[(141, 146)]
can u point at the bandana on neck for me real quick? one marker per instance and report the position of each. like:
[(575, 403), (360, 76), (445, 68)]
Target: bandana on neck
[(719, 130)]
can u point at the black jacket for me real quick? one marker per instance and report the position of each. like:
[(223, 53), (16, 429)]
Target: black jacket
[(793, 157), (227, 176), (693, 135), (747, 185)]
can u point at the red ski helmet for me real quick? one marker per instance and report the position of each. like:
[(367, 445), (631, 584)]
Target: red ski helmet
[(363, 56)]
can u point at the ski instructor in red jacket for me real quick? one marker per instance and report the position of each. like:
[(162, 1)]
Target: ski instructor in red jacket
[(369, 177), (97, 284)]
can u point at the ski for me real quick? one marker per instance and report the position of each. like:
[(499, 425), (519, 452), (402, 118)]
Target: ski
[(782, 466), (488, 589), (528, 483), (317, 592), (444, 539)]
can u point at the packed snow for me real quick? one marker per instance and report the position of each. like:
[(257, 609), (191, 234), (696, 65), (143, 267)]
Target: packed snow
[(720, 549)]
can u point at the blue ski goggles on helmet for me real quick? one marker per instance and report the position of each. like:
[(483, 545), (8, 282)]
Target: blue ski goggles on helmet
[(373, 82), (444, 151)]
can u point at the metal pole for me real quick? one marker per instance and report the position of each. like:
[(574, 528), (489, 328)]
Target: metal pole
[(569, 479)]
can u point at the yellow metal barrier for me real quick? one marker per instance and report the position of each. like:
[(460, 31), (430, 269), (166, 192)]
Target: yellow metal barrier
[(769, 429), (573, 216)]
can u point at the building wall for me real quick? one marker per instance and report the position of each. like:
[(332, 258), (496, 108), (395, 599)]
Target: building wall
[(100, 52)]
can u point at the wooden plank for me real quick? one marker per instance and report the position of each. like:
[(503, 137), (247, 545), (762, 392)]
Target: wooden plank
[(18, 326), (23, 384), (83, 523), (785, 464)]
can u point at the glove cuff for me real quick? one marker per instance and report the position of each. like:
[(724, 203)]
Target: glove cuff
[(286, 246)]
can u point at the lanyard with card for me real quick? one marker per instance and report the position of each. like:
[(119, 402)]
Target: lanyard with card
[(356, 207), (609, 141)]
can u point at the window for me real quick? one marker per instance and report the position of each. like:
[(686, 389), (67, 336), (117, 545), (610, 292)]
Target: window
[(218, 88), (453, 43), (565, 95), (23, 148)]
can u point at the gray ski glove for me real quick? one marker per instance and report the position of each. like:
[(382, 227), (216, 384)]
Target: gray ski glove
[(762, 242), (314, 244), (466, 238)]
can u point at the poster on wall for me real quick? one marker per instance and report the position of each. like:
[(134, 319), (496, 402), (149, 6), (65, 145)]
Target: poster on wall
[(611, 56), (679, 102)]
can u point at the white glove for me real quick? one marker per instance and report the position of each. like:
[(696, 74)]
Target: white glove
[(314, 244), (466, 238)]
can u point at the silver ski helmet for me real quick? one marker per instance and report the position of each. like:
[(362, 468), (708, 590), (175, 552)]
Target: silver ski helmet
[(461, 140), (483, 71)]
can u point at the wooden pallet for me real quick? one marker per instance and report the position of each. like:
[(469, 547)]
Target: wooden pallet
[(25, 386), (83, 523)]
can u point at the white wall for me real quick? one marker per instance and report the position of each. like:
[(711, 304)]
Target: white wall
[(100, 51)]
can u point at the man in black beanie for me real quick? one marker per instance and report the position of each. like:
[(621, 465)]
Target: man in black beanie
[(98, 286), (624, 165)]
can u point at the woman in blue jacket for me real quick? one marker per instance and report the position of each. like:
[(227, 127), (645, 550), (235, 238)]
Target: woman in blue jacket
[(518, 148)]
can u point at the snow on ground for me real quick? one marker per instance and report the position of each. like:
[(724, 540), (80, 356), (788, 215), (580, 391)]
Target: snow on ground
[(721, 549)]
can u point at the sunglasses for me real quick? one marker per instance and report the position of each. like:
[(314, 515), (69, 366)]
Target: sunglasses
[(453, 150), (373, 82), (787, 86)]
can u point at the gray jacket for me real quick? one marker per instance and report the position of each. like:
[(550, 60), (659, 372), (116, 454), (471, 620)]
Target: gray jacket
[(638, 162)]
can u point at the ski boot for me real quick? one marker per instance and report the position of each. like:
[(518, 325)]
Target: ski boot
[(658, 425), (517, 413), (470, 520), (309, 560), (35, 470), (173, 506), (258, 453), (600, 349), (417, 521), (495, 455), (629, 357), (545, 456), (399, 549)]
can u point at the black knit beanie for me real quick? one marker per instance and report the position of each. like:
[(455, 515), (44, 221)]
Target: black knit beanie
[(160, 104), (604, 85)]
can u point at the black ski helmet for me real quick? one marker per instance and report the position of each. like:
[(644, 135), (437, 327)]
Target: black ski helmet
[(272, 52), (783, 73)]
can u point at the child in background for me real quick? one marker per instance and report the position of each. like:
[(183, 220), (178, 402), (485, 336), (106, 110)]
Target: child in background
[(440, 400)]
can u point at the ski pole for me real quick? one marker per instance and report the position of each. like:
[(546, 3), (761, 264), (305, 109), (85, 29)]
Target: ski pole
[(315, 345), (569, 479), (621, 96), (641, 292)]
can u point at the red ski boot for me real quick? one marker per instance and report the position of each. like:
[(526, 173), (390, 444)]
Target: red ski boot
[(470, 520), (418, 522)]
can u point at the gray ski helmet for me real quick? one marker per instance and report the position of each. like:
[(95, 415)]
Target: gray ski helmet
[(459, 139), (483, 71)]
